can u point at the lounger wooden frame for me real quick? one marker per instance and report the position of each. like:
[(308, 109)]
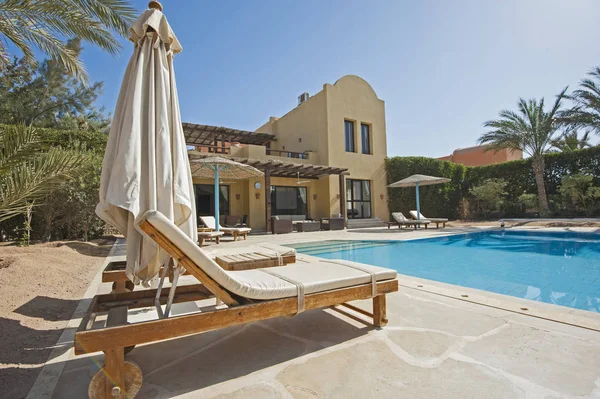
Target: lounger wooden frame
[(113, 339), (236, 234), (408, 223)]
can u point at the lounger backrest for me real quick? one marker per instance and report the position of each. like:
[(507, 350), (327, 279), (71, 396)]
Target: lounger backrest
[(415, 213), (209, 221), (399, 217), (189, 248)]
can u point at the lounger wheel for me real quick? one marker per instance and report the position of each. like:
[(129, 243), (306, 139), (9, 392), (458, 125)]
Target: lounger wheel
[(133, 383), (129, 286)]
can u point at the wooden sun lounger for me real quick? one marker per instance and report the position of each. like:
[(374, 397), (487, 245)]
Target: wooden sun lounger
[(236, 232), (400, 220), (437, 221), (207, 235), (119, 378)]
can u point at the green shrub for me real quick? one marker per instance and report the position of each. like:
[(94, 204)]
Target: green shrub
[(579, 193), (528, 202), (489, 196)]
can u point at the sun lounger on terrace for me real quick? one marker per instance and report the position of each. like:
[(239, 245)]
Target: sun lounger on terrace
[(210, 222), (207, 235), (401, 221), (250, 295), (437, 221)]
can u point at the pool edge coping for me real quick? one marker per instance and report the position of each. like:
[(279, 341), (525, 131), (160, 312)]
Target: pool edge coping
[(527, 307)]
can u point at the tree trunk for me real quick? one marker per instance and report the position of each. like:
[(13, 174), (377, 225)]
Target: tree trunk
[(538, 171)]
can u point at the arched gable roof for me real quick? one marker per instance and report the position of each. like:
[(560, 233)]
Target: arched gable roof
[(356, 81)]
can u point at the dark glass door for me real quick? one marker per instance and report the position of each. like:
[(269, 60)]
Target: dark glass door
[(288, 201), (205, 200), (358, 197)]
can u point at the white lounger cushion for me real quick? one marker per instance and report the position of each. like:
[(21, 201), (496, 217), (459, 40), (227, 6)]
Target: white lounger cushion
[(414, 215), (238, 229), (265, 249), (210, 233), (400, 218), (256, 284), (211, 223)]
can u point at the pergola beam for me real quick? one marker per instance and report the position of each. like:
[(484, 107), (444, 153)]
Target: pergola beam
[(199, 135), (279, 168)]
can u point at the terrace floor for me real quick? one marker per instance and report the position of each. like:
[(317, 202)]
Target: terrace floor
[(435, 345)]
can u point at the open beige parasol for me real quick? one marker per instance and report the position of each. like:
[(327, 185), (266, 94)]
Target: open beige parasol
[(219, 167), (416, 181)]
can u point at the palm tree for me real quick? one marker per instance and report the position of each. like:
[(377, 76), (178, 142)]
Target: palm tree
[(30, 169), (530, 130), (569, 141), (44, 24), (586, 112)]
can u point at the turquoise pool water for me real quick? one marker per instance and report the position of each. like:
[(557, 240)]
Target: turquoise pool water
[(557, 268)]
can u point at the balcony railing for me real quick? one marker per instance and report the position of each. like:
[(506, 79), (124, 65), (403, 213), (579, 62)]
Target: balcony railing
[(216, 149), (287, 154)]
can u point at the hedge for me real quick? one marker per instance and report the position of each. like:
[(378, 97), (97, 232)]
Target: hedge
[(445, 200)]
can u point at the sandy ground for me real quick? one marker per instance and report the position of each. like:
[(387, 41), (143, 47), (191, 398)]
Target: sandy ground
[(40, 287)]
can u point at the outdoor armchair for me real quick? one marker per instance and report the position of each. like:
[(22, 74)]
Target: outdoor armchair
[(281, 226)]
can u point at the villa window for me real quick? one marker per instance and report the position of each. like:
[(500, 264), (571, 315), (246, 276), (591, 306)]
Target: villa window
[(287, 200), (349, 135), (358, 199), (365, 134)]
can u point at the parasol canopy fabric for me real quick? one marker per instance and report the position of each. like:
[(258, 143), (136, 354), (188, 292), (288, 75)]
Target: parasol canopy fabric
[(228, 169), (422, 180)]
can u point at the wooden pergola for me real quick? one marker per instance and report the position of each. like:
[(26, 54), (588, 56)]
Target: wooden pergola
[(206, 135), (277, 168)]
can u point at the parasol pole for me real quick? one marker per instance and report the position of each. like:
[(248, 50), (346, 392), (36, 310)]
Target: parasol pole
[(217, 197), (418, 202)]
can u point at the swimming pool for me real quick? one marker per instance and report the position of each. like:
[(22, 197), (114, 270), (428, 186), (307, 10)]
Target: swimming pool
[(557, 268)]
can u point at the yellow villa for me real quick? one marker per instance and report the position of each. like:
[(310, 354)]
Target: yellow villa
[(324, 158)]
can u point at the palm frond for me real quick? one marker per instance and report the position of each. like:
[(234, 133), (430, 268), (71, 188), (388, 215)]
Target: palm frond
[(530, 129), (42, 24), (18, 143), (586, 111), (34, 179)]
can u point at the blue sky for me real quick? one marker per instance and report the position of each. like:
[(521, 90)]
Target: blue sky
[(442, 67)]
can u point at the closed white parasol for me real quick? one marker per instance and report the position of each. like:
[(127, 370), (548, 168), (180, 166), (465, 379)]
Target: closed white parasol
[(146, 165)]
